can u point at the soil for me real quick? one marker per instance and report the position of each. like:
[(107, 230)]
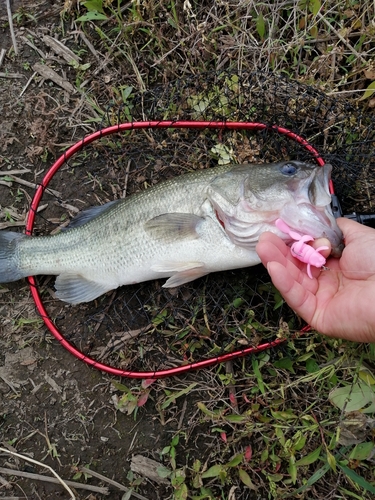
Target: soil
[(54, 408)]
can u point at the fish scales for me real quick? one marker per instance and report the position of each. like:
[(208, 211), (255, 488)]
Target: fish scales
[(101, 240), (183, 228)]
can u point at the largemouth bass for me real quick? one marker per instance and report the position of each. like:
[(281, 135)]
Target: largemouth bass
[(183, 228)]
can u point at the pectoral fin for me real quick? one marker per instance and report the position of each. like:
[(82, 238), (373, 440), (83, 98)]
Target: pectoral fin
[(75, 289), (168, 227), (183, 272)]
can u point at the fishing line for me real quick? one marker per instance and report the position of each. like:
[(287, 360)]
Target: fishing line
[(137, 126)]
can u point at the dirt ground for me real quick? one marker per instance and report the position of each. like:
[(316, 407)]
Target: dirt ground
[(53, 407)]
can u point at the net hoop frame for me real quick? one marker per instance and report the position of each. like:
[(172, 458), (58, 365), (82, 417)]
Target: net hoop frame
[(180, 124)]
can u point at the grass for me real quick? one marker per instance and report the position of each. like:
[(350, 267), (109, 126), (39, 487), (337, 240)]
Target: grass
[(325, 42), (284, 429)]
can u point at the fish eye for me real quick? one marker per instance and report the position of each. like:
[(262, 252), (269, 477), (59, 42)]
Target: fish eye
[(288, 169)]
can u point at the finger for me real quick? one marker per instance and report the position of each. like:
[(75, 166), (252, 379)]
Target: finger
[(352, 230), (297, 295), (348, 225), (271, 247), (319, 243), (323, 242), (357, 261)]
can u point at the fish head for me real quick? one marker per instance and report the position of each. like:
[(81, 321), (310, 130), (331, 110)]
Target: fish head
[(311, 212), (248, 199)]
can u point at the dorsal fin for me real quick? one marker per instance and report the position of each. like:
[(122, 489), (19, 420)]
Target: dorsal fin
[(90, 214)]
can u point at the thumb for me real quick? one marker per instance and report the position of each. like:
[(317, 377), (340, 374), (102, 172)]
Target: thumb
[(323, 242)]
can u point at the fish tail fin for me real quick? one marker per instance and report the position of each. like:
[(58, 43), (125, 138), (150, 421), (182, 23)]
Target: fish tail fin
[(8, 256)]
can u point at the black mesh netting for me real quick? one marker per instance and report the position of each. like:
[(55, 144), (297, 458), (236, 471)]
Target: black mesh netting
[(145, 327)]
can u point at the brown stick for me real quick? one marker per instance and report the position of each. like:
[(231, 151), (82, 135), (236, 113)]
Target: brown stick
[(29, 459), (2, 55), (49, 479), (49, 74), (10, 20), (119, 486)]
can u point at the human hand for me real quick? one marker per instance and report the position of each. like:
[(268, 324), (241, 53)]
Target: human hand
[(339, 302)]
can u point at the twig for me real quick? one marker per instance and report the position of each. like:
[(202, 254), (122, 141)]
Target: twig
[(6, 183), (333, 65), (13, 386), (90, 46), (106, 61), (60, 49), (121, 487), (11, 75), (14, 498), (30, 44), (115, 345), (10, 19), (5, 483), (335, 92), (28, 459), (170, 51), (2, 55), (34, 186), (126, 179), (49, 74), (69, 207), (14, 172), (5, 225), (183, 411), (28, 83), (338, 34), (10, 213), (133, 439), (231, 388), (122, 9), (49, 479)]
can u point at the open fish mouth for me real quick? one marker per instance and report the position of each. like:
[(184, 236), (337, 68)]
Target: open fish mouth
[(337, 251), (311, 213), (332, 232), (295, 192), (318, 190), (319, 222)]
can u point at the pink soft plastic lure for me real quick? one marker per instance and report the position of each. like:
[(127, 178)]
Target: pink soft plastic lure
[(300, 250)]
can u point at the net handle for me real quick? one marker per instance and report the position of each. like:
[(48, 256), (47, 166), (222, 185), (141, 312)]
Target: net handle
[(220, 125)]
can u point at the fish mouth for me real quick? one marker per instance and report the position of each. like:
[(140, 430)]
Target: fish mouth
[(337, 251), (318, 222), (312, 213), (318, 189), (330, 230)]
